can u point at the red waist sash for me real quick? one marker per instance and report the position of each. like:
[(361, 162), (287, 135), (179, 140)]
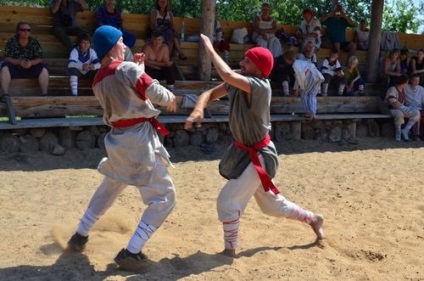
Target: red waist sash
[(123, 123), (264, 177)]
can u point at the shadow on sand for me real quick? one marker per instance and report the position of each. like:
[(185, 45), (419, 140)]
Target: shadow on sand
[(77, 267)]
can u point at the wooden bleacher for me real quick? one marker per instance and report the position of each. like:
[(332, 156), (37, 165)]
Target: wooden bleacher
[(28, 104)]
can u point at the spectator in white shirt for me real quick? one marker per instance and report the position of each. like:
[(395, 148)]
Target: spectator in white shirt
[(415, 98), (332, 71), (309, 30)]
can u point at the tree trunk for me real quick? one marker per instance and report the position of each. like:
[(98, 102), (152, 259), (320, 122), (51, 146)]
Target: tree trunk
[(206, 27), (375, 39)]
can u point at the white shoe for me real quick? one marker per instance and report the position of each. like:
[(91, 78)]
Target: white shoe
[(405, 134)]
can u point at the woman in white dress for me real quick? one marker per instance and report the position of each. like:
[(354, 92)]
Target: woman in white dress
[(264, 28)]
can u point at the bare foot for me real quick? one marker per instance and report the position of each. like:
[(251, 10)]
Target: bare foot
[(308, 116), (229, 253), (316, 225)]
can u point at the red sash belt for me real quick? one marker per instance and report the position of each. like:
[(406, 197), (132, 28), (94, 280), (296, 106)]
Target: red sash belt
[(265, 178), (123, 123)]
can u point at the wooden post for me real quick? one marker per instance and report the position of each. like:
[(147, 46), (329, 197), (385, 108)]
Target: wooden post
[(375, 39), (296, 130), (206, 27), (352, 129), (9, 108)]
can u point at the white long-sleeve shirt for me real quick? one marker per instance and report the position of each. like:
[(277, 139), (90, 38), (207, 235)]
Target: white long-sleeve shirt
[(77, 59), (328, 68)]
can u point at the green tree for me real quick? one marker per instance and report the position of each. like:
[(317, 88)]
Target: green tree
[(402, 16), (398, 15)]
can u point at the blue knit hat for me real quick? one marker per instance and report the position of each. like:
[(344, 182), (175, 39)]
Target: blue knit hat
[(105, 38)]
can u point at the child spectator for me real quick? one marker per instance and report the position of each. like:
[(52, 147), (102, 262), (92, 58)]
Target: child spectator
[(308, 82), (354, 81), (109, 15), (283, 74), (333, 73), (83, 62)]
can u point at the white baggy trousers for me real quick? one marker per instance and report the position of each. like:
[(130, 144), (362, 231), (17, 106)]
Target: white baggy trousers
[(159, 196), (235, 195)]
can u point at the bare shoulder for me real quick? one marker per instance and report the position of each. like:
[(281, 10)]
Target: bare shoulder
[(164, 47), (147, 47)]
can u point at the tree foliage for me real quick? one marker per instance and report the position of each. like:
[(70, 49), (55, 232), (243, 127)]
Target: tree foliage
[(399, 15)]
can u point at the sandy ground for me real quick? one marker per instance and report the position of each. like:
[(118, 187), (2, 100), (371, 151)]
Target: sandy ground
[(370, 194)]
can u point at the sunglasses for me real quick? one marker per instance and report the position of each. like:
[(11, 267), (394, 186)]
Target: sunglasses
[(25, 29)]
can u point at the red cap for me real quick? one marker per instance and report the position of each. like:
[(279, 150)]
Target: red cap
[(262, 58)]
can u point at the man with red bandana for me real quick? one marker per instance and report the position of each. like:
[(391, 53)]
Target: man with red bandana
[(136, 155), (251, 161)]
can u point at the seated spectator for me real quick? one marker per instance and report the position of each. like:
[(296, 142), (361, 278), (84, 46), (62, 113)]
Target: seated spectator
[(416, 65), (109, 15), (391, 68), (219, 41), (308, 53), (23, 58), (264, 29), (162, 19), (395, 99), (354, 81), (332, 71), (64, 20), (361, 36), (83, 62), (310, 30), (157, 62), (403, 59), (307, 85), (282, 73), (415, 98), (336, 22)]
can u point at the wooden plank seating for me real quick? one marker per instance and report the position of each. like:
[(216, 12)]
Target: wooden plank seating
[(282, 108)]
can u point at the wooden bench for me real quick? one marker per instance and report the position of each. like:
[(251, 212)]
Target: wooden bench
[(46, 112)]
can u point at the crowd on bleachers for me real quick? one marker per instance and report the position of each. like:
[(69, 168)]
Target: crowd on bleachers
[(23, 54)]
